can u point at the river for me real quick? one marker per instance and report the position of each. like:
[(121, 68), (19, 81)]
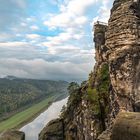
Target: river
[(33, 128)]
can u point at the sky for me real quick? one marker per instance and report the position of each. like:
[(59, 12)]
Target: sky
[(49, 39)]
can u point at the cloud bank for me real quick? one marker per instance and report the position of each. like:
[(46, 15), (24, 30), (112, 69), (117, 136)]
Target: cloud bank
[(49, 39)]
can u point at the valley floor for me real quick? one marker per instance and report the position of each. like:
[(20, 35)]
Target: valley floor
[(24, 117)]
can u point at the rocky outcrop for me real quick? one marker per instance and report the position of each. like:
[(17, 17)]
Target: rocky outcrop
[(53, 131), (100, 30), (123, 55), (12, 135), (114, 85), (81, 121), (127, 126)]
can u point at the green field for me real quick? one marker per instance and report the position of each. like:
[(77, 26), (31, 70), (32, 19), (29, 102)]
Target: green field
[(25, 116)]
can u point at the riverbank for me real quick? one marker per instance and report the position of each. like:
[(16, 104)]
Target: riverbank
[(33, 128), (22, 118)]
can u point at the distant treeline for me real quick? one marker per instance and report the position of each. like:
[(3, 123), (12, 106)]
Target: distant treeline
[(18, 93)]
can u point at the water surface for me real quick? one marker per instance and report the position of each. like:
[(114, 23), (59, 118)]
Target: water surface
[(33, 128)]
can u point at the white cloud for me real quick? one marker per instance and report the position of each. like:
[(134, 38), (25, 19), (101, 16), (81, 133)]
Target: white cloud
[(78, 7), (69, 49), (61, 20), (68, 54), (17, 49), (5, 36), (71, 14), (42, 69), (23, 24), (31, 19), (72, 19), (61, 53), (62, 38), (64, 20), (32, 36), (34, 27), (81, 20), (103, 12), (13, 44)]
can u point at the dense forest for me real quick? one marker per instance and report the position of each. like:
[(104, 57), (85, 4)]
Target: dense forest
[(17, 93)]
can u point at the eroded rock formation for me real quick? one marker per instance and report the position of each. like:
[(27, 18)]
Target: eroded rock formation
[(114, 85), (53, 131), (12, 135), (123, 43)]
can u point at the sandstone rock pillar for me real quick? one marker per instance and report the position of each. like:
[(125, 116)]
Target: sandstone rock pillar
[(123, 43)]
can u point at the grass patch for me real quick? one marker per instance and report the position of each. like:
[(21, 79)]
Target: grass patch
[(26, 116)]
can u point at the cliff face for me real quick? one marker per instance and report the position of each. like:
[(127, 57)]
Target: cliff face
[(86, 115), (113, 86), (123, 55)]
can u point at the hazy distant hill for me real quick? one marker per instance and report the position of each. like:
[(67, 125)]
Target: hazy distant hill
[(16, 93)]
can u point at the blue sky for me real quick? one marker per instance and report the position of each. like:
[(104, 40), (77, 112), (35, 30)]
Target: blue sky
[(49, 39)]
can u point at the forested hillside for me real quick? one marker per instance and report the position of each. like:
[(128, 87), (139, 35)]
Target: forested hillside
[(16, 93)]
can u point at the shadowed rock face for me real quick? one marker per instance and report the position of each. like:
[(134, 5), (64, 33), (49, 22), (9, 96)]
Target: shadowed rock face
[(53, 131), (12, 135), (99, 39), (137, 89), (123, 43)]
